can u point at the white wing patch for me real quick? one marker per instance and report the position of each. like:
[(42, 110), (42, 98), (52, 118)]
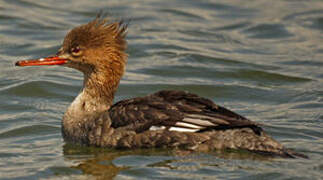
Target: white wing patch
[(199, 122), (210, 121), (192, 123), (182, 129), (155, 128), (188, 125)]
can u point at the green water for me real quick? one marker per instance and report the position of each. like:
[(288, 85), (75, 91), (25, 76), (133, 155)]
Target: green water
[(262, 59)]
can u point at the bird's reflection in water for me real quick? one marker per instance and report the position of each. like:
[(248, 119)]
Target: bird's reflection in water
[(99, 162)]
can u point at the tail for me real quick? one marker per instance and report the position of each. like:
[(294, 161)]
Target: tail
[(288, 153), (284, 153), (247, 139)]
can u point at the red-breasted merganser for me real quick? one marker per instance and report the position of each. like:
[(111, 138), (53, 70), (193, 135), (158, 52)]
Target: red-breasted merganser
[(168, 119)]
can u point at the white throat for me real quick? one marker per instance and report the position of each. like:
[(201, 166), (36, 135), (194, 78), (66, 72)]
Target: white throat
[(84, 105)]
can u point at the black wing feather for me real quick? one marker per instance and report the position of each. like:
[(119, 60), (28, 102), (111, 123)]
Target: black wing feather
[(175, 109)]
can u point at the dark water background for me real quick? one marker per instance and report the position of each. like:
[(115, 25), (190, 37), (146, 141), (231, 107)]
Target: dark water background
[(260, 58)]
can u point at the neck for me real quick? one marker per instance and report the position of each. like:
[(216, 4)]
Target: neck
[(97, 96)]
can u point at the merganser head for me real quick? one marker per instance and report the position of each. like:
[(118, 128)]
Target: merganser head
[(89, 47), (98, 50)]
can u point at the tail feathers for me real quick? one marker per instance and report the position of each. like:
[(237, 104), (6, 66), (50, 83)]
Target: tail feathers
[(247, 139), (292, 154), (284, 153)]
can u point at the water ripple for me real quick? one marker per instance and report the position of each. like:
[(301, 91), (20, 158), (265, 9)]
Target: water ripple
[(36, 89), (258, 58), (29, 130), (268, 31)]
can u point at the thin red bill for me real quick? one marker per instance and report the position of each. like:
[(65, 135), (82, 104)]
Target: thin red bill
[(55, 60)]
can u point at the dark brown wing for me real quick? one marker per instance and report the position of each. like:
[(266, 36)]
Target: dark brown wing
[(175, 110)]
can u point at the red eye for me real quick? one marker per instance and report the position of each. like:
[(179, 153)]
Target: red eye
[(76, 50)]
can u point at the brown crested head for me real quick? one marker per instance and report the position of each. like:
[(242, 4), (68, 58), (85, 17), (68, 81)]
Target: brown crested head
[(98, 50), (96, 44)]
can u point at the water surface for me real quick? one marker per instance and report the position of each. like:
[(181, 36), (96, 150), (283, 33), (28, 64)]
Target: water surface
[(262, 59)]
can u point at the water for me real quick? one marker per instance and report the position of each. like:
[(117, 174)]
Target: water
[(262, 59)]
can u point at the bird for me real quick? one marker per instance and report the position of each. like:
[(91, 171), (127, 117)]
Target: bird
[(166, 119)]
